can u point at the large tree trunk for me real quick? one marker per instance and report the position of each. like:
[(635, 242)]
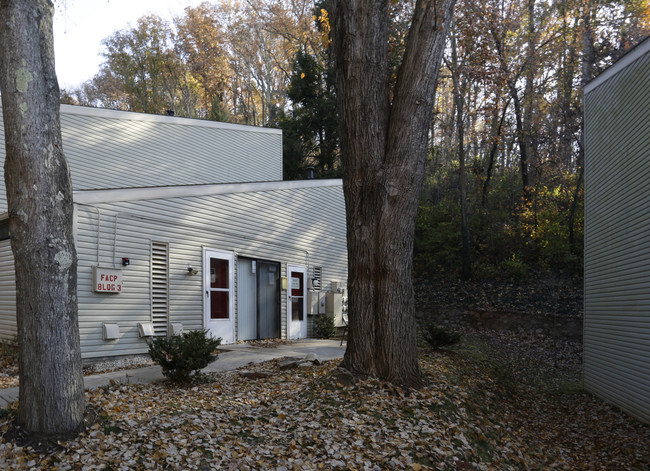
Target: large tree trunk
[(39, 196), (384, 147)]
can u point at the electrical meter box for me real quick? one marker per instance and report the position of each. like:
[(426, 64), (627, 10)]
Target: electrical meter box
[(335, 308), (315, 302), (312, 302)]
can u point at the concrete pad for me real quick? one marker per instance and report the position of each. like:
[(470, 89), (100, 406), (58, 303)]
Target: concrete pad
[(231, 357)]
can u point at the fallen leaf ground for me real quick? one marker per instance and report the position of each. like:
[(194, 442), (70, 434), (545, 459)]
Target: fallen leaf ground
[(488, 405)]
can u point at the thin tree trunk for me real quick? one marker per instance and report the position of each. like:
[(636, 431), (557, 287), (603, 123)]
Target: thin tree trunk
[(566, 121), (573, 210), (459, 91), (588, 49), (497, 126), (588, 65), (521, 140), (519, 120), (384, 149), (528, 100), (39, 196)]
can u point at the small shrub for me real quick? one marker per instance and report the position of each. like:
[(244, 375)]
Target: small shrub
[(9, 348), (514, 268), (9, 356), (437, 337), (573, 264), (324, 327), (183, 356)]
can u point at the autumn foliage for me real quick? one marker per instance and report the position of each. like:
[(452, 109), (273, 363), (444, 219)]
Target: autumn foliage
[(509, 237), (503, 193)]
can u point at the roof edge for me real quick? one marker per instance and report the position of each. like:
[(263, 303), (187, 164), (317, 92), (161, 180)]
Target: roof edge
[(131, 115), (150, 193), (632, 55)]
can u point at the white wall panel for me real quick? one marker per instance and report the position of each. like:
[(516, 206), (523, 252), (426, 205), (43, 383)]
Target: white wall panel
[(617, 236), (7, 292), (118, 149)]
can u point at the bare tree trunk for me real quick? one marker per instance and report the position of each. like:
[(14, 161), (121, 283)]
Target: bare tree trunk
[(519, 119), (39, 196), (521, 140), (588, 61), (588, 65), (497, 126), (459, 91), (384, 147), (573, 246), (529, 150)]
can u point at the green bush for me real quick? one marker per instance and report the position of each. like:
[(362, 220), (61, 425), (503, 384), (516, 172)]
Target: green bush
[(9, 349), (514, 268), (323, 327), (183, 356), (437, 337)]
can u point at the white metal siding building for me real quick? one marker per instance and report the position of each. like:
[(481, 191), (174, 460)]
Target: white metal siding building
[(184, 223), (617, 234)]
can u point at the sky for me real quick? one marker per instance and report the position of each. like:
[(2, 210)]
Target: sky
[(80, 26)]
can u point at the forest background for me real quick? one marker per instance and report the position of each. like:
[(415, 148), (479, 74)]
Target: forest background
[(503, 196)]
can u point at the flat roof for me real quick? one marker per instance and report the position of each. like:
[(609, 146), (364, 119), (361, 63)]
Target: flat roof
[(181, 191), (131, 115)]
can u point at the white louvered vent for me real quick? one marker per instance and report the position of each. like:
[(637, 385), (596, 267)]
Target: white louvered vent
[(317, 279), (160, 287)]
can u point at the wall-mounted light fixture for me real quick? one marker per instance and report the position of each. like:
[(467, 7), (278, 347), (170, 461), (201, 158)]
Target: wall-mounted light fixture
[(191, 271), (126, 262)]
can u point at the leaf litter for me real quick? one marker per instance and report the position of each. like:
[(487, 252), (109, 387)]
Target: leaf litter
[(484, 408)]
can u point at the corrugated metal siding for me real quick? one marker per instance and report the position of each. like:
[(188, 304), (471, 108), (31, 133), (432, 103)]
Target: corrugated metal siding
[(115, 149), (3, 152), (8, 328), (287, 226), (617, 239)]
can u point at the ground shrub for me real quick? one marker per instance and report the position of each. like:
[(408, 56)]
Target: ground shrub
[(324, 327), (183, 356), (514, 268), (437, 337), (9, 349)]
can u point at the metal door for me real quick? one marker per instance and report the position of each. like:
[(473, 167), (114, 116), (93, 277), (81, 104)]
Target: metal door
[(246, 299), (258, 299), (268, 299)]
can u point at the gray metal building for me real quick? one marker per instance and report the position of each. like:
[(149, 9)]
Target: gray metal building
[(186, 224), (617, 234)]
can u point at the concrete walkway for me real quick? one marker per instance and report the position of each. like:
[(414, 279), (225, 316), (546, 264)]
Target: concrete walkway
[(230, 357)]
